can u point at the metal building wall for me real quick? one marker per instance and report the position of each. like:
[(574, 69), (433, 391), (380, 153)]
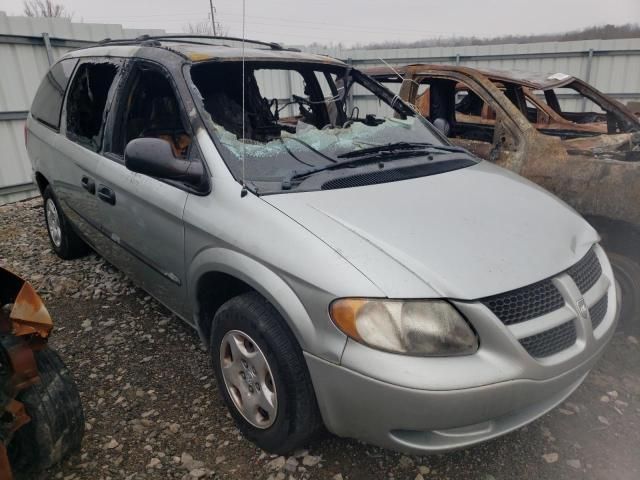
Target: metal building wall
[(23, 63)]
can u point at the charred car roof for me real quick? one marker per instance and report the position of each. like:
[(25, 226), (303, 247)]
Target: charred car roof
[(199, 51), (536, 81)]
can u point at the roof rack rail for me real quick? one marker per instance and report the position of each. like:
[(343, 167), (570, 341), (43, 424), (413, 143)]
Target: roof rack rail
[(151, 38)]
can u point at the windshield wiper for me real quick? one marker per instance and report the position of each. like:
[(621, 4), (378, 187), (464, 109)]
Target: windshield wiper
[(363, 160), (314, 150), (400, 146)]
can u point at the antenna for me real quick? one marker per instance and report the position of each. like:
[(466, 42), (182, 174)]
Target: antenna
[(243, 192)]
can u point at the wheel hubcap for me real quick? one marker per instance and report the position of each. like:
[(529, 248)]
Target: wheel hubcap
[(53, 223), (248, 379)]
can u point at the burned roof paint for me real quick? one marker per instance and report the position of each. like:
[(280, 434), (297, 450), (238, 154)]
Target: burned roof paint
[(198, 53)]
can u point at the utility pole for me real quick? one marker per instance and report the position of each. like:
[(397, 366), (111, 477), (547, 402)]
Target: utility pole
[(213, 18)]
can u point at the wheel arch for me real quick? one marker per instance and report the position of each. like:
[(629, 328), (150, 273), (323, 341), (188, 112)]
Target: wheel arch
[(41, 181), (231, 273), (617, 235)]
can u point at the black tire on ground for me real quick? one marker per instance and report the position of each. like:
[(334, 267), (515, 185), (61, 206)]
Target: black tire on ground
[(70, 245), (620, 241), (57, 420), (627, 273), (297, 419)]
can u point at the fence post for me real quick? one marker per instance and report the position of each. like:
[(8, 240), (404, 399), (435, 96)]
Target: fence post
[(47, 46), (587, 77), (457, 59)]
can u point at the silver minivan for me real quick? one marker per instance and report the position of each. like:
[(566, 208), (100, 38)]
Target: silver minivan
[(345, 264)]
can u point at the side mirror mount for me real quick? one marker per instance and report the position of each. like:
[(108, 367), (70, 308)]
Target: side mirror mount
[(154, 157)]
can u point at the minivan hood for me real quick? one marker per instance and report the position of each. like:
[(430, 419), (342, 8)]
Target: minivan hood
[(464, 234)]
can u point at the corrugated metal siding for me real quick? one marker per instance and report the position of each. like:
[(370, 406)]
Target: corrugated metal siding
[(615, 66), (21, 69), (15, 166)]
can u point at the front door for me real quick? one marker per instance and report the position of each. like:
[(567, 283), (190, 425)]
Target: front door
[(142, 215)]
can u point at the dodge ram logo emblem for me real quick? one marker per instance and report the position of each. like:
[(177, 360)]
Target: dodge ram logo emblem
[(582, 308)]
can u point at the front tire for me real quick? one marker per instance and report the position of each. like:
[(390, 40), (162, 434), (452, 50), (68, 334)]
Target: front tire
[(65, 242), (262, 375), (627, 273)]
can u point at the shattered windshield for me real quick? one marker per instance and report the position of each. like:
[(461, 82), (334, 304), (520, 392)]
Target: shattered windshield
[(300, 117)]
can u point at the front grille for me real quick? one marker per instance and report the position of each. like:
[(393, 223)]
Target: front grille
[(586, 272), (525, 303), (598, 311), (543, 297), (552, 341)]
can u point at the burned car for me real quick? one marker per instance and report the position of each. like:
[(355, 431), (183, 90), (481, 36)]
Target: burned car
[(345, 267), (554, 129), (41, 419)]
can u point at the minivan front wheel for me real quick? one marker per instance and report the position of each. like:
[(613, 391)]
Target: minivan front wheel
[(64, 240), (627, 273), (262, 375)]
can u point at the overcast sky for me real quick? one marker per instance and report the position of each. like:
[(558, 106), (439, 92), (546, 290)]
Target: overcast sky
[(353, 21)]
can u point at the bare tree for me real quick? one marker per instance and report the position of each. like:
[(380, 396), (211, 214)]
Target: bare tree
[(45, 8), (207, 27), (630, 30), (204, 28), (199, 28)]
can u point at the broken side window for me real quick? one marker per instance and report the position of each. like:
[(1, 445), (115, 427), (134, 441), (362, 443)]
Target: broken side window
[(87, 101), (150, 109), (576, 107)]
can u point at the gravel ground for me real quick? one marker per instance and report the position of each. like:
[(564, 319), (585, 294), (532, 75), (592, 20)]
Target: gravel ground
[(153, 411)]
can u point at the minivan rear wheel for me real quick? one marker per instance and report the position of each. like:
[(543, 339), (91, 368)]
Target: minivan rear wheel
[(65, 242), (262, 375)]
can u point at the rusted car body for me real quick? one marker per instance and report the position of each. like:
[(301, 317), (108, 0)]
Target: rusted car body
[(589, 159), (25, 326)]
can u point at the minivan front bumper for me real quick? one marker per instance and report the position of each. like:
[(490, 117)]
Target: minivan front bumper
[(429, 421), (433, 404)]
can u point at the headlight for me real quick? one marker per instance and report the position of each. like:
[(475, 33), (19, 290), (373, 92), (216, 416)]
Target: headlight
[(421, 328)]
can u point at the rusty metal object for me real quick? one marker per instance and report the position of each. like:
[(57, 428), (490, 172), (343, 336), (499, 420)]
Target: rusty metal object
[(597, 173), (5, 466), (634, 107), (25, 326)]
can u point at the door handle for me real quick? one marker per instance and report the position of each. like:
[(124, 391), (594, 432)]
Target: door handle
[(106, 195), (88, 184)]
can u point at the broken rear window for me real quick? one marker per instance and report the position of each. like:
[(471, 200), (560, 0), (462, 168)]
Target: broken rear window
[(298, 116), (47, 103)]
